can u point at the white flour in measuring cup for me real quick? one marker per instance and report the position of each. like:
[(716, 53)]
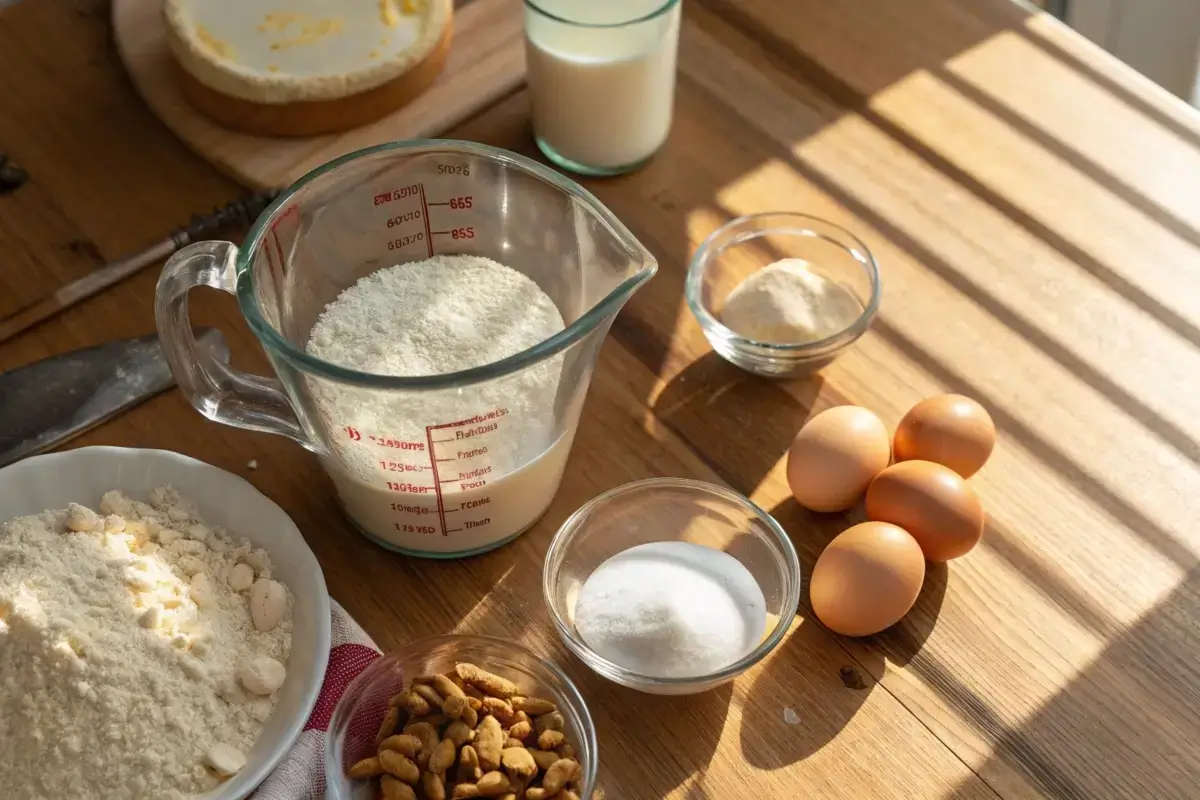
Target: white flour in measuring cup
[(489, 447)]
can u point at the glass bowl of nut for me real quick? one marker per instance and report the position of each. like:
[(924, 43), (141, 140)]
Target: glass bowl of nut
[(458, 717)]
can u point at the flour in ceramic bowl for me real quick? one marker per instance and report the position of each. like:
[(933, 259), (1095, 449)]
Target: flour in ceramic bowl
[(126, 639), (448, 470)]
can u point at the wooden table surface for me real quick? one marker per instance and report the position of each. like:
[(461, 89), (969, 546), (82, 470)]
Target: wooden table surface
[(1036, 210)]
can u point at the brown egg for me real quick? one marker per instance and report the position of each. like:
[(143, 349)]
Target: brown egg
[(867, 579), (932, 503), (949, 429), (834, 457)]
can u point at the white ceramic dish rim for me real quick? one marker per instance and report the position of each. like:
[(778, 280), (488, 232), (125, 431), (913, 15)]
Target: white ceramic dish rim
[(267, 514)]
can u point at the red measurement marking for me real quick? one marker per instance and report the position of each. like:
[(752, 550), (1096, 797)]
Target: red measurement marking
[(436, 485), (287, 212), (429, 242), (398, 444), (457, 203), (278, 250), (354, 435), (400, 466), (396, 194), (411, 488)]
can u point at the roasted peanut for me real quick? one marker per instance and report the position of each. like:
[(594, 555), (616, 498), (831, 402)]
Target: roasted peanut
[(417, 705), (548, 740), (428, 694), (468, 765), (457, 732), (443, 756), (386, 728), (534, 706), (544, 758), (424, 679), (511, 742), (489, 741), (395, 789), (402, 743), (566, 751), (465, 791), (447, 687), (520, 731), (553, 721), (437, 720), (367, 768), (500, 709), (471, 715), (560, 773), (400, 765), (493, 784), (567, 794), (536, 793), (428, 737), (518, 762), (487, 682), (434, 786), (455, 706)]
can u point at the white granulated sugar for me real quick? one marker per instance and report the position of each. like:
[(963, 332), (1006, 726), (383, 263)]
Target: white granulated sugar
[(444, 314), (671, 610), (788, 302), (119, 651)]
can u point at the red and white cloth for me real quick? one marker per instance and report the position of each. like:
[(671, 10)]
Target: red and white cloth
[(301, 774)]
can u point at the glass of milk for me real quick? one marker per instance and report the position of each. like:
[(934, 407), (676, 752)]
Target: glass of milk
[(601, 76)]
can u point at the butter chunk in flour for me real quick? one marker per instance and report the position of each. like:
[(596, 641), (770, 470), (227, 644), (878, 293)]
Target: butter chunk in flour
[(122, 637)]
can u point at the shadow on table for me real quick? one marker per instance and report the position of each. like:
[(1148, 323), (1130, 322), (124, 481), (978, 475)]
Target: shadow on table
[(746, 423), (695, 720), (1137, 705), (801, 699), (900, 643)]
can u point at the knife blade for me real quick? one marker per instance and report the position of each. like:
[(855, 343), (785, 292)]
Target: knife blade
[(52, 401)]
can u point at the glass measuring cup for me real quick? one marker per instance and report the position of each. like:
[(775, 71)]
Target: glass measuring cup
[(437, 465)]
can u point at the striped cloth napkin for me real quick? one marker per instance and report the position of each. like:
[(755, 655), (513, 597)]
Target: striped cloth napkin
[(301, 774)]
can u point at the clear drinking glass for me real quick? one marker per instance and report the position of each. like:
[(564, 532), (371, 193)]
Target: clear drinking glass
[(441, 465), (601, 78)]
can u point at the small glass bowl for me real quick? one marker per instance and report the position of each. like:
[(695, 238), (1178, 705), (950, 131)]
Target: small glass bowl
[(359, 712), (671, 509), (734, 251)]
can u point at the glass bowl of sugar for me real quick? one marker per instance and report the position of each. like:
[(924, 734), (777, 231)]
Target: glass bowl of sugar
[(782, 294), (671, 586)]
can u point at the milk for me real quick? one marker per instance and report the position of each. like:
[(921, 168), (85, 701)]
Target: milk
[(477, 508), (602, 96)]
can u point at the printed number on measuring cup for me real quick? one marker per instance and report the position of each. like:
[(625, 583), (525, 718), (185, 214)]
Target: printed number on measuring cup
[(397, 194), (463, 233), (411, 216), (405, 241), (453, 169), (415, 528), (459, 203)]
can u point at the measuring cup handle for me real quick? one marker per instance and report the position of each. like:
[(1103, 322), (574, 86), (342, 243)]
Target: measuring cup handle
[(218, 392)]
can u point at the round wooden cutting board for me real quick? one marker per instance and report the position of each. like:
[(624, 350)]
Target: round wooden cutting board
[(486, 62)]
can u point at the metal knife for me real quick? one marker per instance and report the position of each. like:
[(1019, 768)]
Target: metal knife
[(49, 402)]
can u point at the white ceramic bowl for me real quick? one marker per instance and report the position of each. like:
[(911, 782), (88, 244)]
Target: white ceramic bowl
[(83, 475)]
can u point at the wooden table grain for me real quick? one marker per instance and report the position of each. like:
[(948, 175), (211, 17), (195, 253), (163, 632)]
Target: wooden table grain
[(1035, 207)]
